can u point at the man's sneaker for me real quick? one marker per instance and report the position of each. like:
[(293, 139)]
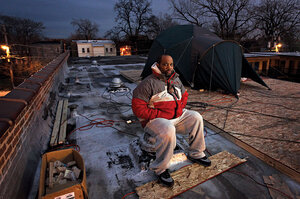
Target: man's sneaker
[(166, 179), (147, 156), (203, 161)]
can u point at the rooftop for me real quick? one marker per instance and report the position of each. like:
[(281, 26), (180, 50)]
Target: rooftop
[(267, 54), (95, 41), (267, 120)]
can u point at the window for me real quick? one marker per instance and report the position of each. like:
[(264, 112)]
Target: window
[(292, 67), (264, 67), (88, 50), (110, 49), (282, 65), (106, 49), (256, 66), (298, 68), (83, 51)]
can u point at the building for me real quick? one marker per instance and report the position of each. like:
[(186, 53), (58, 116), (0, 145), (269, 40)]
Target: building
[(96, 48), (46, 49), (276, 65), (125, 50)]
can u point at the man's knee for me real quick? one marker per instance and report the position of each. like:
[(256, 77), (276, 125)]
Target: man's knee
[(168, 133), (196, 116)]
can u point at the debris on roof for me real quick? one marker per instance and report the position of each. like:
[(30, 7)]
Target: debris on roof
[(106, 130)]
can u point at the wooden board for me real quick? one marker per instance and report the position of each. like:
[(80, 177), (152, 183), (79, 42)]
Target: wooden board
[(55, 131), (63, 125), (51, 170), (190, 176), (132, 75)]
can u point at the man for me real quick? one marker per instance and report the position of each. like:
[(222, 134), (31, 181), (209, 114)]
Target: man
[(159, 102)]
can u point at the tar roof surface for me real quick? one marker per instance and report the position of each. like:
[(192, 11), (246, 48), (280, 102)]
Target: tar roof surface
[(111, 168)]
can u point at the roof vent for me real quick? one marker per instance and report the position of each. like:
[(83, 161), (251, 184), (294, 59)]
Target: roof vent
[(116, 83)]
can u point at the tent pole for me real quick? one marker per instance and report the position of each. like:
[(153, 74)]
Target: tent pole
[(211, 71)]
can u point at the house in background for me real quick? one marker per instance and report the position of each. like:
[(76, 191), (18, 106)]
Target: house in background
[(51, 48), (125, 50), (95, 48), (280, 65)]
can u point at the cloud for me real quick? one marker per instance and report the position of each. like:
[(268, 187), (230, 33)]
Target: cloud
[(57, 15)]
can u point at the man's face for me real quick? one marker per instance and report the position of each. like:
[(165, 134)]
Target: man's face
[(166, 65)]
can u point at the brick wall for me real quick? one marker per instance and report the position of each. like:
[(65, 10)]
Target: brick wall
[(26, 119)]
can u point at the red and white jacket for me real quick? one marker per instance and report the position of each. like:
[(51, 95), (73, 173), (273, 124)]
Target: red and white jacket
[(159, 97)]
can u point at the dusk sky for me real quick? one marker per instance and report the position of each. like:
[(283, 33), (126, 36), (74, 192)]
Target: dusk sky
[(56, 15)]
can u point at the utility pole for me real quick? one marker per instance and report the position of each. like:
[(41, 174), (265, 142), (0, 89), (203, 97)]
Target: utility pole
[(5, 34), (8, 59)]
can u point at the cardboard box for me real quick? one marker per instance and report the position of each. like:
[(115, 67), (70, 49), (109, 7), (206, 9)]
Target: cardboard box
[(66, 191)]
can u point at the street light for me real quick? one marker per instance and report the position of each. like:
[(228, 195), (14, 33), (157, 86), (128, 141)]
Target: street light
[(277, 47), (6, 48)]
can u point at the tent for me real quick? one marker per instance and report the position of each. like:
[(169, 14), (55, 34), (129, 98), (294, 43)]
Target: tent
[(202, 59)]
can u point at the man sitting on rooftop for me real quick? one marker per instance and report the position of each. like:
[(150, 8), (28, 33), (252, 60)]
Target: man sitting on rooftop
[(159, 102)]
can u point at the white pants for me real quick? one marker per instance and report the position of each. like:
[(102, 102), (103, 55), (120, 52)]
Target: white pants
[(162, 134)]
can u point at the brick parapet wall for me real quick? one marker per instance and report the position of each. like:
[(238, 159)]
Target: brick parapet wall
[(21, 111)]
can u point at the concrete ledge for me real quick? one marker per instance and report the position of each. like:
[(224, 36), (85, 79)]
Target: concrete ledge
[(3, 127), (25, 127), (10, 109), (31, 86), (25, 95)]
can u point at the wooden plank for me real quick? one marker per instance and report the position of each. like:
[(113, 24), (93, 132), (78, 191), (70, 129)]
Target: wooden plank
[(132, 75), (63, 123), (56, 126), (264, 157), (51, 171), (190, 176)]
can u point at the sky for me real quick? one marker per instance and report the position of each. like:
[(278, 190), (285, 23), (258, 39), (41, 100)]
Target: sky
[(56, 15)]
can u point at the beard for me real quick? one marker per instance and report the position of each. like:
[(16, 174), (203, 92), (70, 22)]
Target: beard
[(169, 73)]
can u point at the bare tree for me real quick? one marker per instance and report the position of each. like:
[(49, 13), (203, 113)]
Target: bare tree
[(20, 33), (229, 19), (291, 39), (132, 17), (85, 29), (114, 34), (158, 24), (20, 30), (189, 11), (154, 26), (277, 18)]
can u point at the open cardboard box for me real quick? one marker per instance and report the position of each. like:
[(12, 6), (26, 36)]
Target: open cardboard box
[(78, 190)]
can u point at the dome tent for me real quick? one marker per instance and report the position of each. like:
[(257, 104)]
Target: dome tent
[(202, 59)]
